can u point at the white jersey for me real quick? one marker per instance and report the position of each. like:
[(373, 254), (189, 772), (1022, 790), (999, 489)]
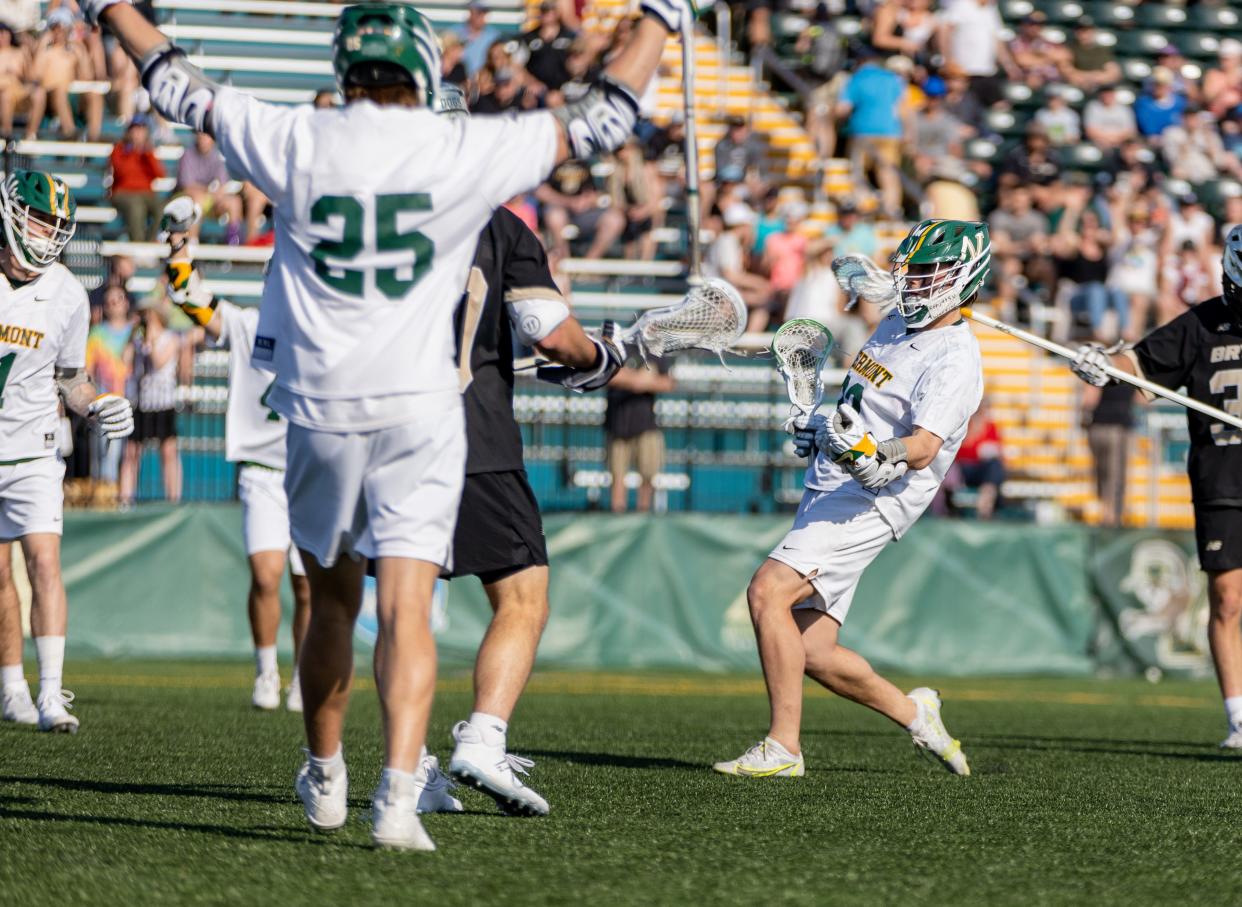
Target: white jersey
[(931, 379), (43, 326), (253, 431), (378, 210)]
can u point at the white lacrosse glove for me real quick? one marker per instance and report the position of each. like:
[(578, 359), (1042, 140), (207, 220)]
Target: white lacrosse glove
[(93, 9), (805, 432), (872, 463), (1090, 363), (113, 416), (673, 13)]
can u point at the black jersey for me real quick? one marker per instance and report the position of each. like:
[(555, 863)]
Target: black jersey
[(509, 265), (1201, 350)]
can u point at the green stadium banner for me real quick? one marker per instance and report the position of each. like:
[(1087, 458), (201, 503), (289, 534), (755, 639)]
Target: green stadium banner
[(668, 591)]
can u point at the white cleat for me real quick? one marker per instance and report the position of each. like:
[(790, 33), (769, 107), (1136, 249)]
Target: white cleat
[(929, 733), (17, 706), (492, 771), (324, 794), (293, 697), (436, 794), (53, 714), (1233, 741), (394, 813), (266, 693), (766, 759)]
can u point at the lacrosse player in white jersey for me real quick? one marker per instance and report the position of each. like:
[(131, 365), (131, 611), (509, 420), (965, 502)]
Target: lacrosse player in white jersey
[(254, 438), (378, 205), (44, 319), (876, 464)]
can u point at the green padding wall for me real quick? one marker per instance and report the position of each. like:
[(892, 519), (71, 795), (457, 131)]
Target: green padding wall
[(669, 591)]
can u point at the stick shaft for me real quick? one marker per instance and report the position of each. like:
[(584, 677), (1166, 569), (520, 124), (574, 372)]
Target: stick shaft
[(1134, 380), (693, 210)]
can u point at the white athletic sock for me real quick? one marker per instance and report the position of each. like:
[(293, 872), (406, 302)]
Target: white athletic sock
[(331, 764), (395, 779), (918, 717), (493, 729), (1233, 711), (296, 681), (12, 675), (51, 652), (265, 660)]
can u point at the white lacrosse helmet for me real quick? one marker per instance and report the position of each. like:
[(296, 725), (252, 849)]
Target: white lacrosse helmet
[(1232, 266), (39, 216), (939, 266)]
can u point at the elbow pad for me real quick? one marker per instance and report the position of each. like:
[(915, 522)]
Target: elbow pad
[(601, 120), (178, 88), (534, 318)]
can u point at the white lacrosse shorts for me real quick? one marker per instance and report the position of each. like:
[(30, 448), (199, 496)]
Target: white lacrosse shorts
[(833, 540), (265, 513), (392, 492), (32, 497)]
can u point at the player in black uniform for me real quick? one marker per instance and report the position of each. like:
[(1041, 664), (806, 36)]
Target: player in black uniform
[(510, 295), (1201, 350)]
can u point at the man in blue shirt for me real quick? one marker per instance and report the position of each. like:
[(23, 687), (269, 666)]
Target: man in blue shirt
[(1160, 107), (874, 102), (476, 35)]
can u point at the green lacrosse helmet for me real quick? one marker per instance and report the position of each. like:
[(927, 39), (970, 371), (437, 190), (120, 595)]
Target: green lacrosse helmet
[(379, 44), (39, 216), (939, 266)]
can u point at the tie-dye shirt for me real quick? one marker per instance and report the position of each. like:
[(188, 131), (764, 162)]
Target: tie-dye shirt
[(105, 357)]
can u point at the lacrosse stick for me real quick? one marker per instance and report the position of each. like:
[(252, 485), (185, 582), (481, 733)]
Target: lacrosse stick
[(693, 211), (1115, 373), (712, 317), (801, 348), (862, 278)]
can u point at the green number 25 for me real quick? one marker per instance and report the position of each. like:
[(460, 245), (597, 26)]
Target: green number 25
[(350, 213)]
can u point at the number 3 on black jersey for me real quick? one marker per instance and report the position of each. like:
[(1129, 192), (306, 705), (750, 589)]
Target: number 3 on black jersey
[(349, 213), (1223, 435)]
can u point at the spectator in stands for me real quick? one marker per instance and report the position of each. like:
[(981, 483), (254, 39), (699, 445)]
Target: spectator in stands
[(1159, 106), (505, 92), (1091, 64), (1039, 59), (630, 182), (1187, 282), (202, 176), (569, 198), (727, 258), (1058, 120), (935, 133), (549, 44), (453, 59), (1020, 246), (325, 99), (852, 234), (874, 101), (1106, 121), (1135, 267), (120, 270), (156, 351), (1170, 58), (1188, 222), (959, 101), (1193, 149), (109, 358), (1222, 86), (1034, 165), (126, 85), (14, 76), (981, 463), (255, 205), (134, 171), (476, 36), (1108, 416), (741, 157), (1081, 248), (904, 27), (56, 64), (971, 37), (784, 253), (633, 437)]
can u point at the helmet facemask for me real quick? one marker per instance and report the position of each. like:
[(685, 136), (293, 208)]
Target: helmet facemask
[(1231, 279), (36, 238)]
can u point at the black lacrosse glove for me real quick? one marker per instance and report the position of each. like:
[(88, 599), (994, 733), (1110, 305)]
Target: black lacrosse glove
[(609, 358)]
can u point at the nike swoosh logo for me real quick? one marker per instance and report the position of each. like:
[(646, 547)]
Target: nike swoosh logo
[(787, 548)]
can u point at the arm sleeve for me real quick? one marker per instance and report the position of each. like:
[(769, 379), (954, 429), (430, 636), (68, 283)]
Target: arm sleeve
[(1166, 355), (946, 396), (253, 138), (72, 353), (509, 155)]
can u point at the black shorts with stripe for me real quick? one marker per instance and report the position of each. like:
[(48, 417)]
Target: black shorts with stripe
[(1218, 535), (499, 530)]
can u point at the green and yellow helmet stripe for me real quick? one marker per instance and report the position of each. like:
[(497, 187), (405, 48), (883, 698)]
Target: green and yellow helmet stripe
[(46, 197)]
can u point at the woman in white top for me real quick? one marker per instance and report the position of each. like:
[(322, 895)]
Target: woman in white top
[(153, 388), (904, 27)]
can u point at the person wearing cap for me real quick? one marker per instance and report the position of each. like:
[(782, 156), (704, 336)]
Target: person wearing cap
[(1171, 58), (1106, 121), (852, 234), (1090, 63), (876, 114), (1059, 121), (134, 171), (1193, 149), (476, 36), (727, 258), (1222, 86), (740, 154), (1159, 106)]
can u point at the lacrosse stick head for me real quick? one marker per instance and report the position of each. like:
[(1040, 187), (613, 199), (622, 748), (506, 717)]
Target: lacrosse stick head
[(801, 348), (711, 317), (862, 278)]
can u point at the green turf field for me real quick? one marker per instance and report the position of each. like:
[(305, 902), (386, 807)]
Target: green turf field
[(1083, 792)]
